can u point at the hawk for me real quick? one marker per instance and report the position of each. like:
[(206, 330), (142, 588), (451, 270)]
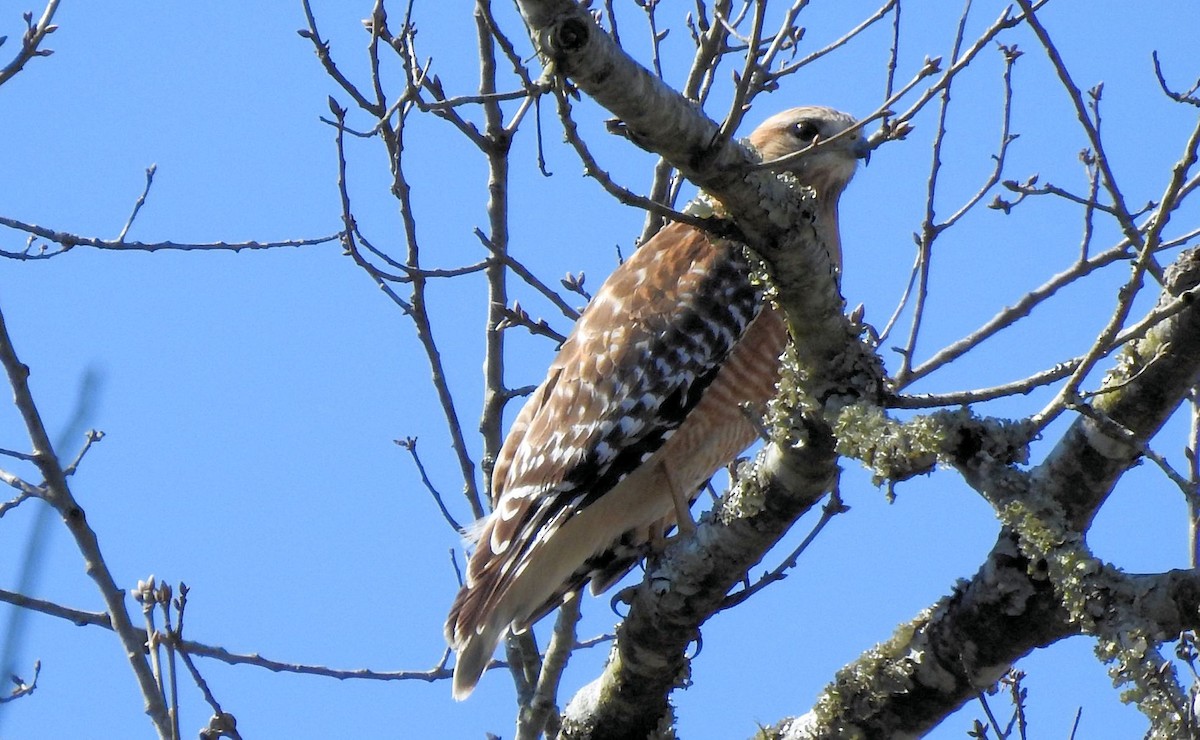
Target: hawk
[(645, 401)]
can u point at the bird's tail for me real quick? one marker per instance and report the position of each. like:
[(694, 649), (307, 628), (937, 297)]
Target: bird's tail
[(474, 652)]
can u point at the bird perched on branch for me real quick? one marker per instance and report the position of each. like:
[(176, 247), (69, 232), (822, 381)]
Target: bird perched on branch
[(644, 402)]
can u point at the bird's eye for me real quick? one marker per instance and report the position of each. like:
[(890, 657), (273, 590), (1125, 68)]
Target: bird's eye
[(806, 131)]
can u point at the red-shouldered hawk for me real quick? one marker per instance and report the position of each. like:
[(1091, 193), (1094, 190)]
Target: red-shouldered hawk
[(643, 403)]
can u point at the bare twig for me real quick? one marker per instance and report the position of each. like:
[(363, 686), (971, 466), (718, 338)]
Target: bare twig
[(410, 272), (349, 236), (27, 489), (1146, 243), (744, 82), (68, 241), (930, 230), (541, 715), (1028, 189), (164, 604), (1075, 724), (1089, 209), (517, 316), (498, 140), (710, 36), (141, 201), (321, 47), (58, 495), (656, 36), (31, 41), (893, 59), (27, 492), (1185, 483), (1188, 97), (1011, 54), (1091, 128), (1022, 308), (866, 23), (959, 398), (23, 456), (532, 280), (21, 687), (593, 170), (222, 724), (33, 558), (191, 647), (93, 436), (832, 508), (981, 697), (410, 444), (1017, 694), (415, 308), (899, 309), (1050, 375)]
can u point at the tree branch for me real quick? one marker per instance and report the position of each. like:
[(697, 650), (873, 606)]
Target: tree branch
[(969, 639), (31, 41), (58, 494)]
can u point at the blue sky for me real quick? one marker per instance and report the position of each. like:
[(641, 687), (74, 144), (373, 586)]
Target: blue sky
[(250, 401)]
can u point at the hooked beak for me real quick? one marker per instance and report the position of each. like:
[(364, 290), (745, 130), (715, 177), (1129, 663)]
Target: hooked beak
[(862, 150)]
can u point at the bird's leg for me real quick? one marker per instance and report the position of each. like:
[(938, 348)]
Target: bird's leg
[(683, 506)]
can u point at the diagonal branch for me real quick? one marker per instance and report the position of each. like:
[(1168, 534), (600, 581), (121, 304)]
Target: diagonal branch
[(58, 494), (31, 41), (648, 660), (777, 221), (969, 639)]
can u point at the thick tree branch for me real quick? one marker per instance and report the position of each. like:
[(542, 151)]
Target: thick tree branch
[(969, 639), (778, 221), (938, 662), (689, 585), (1146, 388)]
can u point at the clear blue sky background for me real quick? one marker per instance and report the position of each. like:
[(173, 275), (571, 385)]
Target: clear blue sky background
[(251, 400)]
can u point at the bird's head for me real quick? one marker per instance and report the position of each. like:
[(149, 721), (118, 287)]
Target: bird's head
[(827, 169)]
